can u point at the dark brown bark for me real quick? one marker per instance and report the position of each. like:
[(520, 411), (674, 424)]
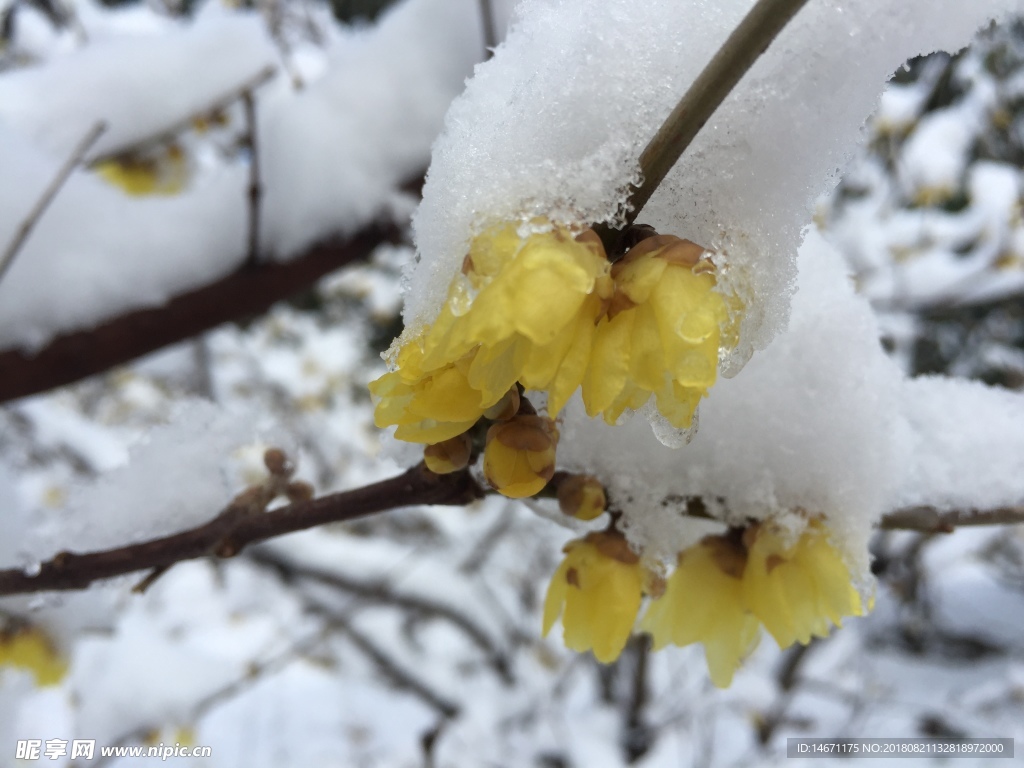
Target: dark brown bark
[(249, 291)]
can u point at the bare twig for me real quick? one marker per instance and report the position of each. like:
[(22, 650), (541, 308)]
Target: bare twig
[(486, 545), (236, 527), (638, 737), (218, 104), (736, 56), (931, 520), (255, 190), (26, 227), (490, 33), (394, 671), (382, 593)]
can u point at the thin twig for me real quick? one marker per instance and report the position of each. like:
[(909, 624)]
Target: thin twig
[(218, 104), (931, 520), (26, 227), (395, 672), (255, 190), (381, 592), (490, 32), (236, 527), (737, 55)]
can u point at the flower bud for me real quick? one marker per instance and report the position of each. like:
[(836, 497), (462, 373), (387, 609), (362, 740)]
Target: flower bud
[(582, 497), (277, 462), (298, 491), (506, 408), (519, 456), (449, 455)]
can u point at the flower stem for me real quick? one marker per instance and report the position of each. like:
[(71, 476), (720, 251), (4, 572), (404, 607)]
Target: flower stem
[(737, 55)]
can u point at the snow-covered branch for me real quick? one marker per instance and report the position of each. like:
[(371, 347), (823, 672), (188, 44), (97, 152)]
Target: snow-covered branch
[(245, 292), (238, 526)]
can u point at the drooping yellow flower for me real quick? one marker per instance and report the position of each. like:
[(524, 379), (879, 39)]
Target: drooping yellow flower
[(597, 591), (31, 650), (519, 455), (522, 311), (661, 335), (703, 603), (725, 587), (797, 590)]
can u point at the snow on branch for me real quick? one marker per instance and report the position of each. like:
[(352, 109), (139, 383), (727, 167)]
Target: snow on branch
[(241, 523)]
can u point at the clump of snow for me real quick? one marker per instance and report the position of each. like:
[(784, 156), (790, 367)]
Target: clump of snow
[(554, 125), (805, 426), (967, 449), (89, 84), (180, 477)]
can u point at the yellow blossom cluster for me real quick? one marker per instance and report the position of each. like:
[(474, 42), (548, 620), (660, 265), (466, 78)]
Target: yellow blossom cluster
[(550, 313), (720, 594)]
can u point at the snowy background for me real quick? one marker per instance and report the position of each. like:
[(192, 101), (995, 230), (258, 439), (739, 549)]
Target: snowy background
[(412, 638)]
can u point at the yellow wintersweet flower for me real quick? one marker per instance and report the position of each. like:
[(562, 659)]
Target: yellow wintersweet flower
[(163, 171), (725, 587), (31, 650), (661, 335), (597, 590), (703, 603), (797, 590), (522, 311), (519, 455)]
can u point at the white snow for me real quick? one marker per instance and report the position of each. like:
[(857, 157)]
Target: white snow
[(332, 154), (526, 140)]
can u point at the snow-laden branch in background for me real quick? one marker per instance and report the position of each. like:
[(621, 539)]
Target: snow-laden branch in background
[(332, 154)]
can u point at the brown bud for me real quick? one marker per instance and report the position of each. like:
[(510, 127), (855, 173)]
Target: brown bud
[(449, 455), (582, 497), (506, 408), (590, 238), (298, 491), (277, 462)]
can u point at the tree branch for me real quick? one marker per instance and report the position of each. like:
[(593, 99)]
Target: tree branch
[(246, 292), (236, 527), (727, 67), (55, 185), (931, 520)]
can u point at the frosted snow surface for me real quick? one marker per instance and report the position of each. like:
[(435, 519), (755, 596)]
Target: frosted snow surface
[(554, 124), (332, 153), (808, 424)]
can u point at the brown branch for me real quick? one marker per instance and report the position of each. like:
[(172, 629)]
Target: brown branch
[(931, 520), (255, 190), (55, 185), (236, 527), (489, 29), (241, 294), (731, 62)]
